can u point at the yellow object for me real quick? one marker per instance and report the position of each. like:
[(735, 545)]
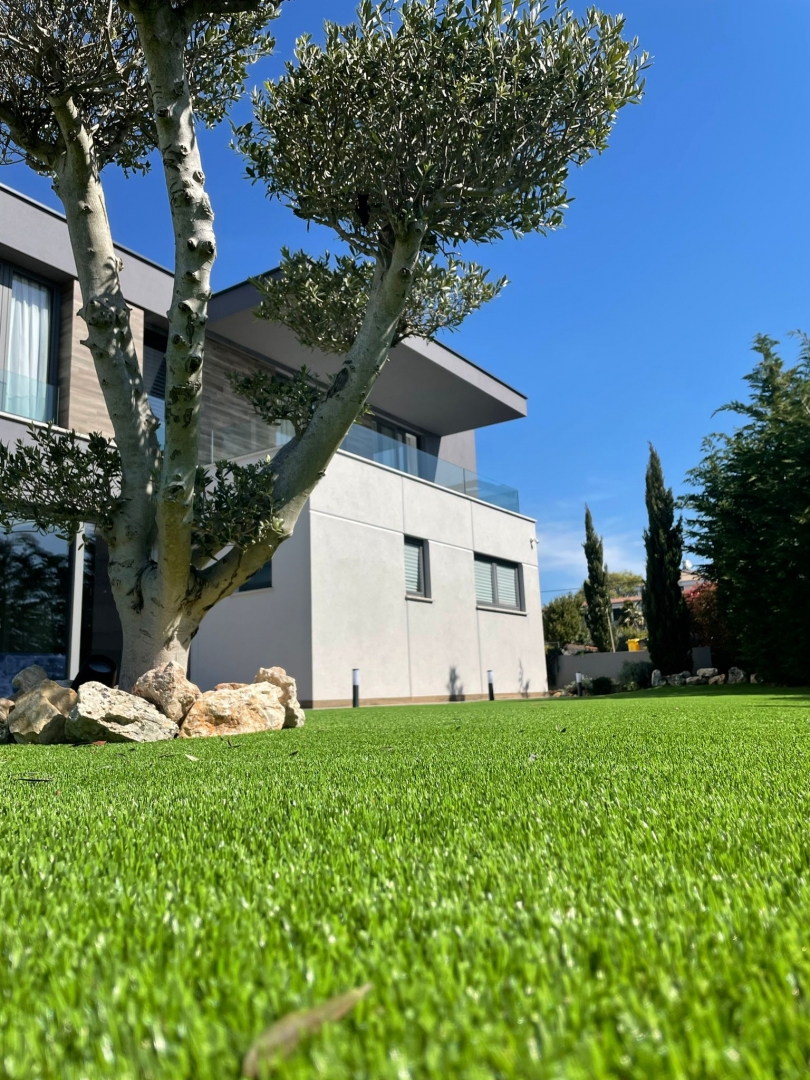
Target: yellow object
[(634, 644)]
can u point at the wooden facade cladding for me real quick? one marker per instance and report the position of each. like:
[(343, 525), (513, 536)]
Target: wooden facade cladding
[(221, 408), (81, 403)]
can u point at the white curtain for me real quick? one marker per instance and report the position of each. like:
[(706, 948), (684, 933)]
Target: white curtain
[(26, 375)]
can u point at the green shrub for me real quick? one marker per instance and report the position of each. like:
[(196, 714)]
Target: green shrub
[(635, 675), (602, 684)]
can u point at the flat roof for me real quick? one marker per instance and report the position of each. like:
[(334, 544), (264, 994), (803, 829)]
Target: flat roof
[(424, 383)]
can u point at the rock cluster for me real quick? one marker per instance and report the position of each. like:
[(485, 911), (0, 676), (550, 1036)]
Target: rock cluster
[(702, 677), (164, 704)]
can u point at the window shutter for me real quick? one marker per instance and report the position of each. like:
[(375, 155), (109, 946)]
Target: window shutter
[(483, 582), (414, 575), (508, 595)]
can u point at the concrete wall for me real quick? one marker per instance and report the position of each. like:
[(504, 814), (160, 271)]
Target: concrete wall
[(611, 664), (594, 664)]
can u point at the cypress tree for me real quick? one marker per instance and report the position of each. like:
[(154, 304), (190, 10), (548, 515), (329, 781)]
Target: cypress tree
[(664, 606), (599, 614)]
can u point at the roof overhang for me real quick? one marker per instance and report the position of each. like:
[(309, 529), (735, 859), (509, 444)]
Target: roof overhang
[(424, 383)]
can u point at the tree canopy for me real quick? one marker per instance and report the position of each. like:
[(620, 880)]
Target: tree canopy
[(751, 507)]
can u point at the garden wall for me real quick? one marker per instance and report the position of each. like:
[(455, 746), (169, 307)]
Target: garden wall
[(594, 664)]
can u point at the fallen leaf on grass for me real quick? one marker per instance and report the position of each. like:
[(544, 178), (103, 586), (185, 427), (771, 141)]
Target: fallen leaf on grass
[(283, 1037), (191, 757)]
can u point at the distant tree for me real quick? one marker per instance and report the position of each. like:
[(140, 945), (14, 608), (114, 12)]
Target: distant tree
[(709, 625), (752, 507), (564, 622), (631, 616), (624, 583), (599, 613), (664, 608)]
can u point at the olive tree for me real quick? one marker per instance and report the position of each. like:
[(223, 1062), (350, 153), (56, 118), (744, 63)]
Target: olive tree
[(421, 128), (82, 87)]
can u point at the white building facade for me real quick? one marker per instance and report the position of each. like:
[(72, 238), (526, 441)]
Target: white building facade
[(405, 564)]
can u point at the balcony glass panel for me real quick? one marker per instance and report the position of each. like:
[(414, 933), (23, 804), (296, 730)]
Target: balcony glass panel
[(254, 437)]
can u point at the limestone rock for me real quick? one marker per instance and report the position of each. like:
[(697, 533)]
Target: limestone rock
[(736, 675), (717, 680), (168, 689), (277, 676), (39, 714), (28, 678), (706, 672), (696, 680), (115, 716), (755, 679), (235, 712), (230, 685), (675, 680), (657, 679)]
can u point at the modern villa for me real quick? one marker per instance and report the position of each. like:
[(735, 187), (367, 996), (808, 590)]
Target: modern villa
[(405, 564)]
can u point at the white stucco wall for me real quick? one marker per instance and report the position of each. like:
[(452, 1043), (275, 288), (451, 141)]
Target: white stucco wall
[(338, 598), (409, 648)]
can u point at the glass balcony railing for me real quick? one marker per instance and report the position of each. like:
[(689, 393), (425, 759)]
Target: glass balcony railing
[(27, 398), (373, 446), (254, 437)]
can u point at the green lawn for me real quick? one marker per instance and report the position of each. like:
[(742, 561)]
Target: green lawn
[(607, 888)]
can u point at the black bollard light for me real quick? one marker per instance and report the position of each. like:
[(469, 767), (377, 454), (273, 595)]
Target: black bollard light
[(356, 688), (491, 683)]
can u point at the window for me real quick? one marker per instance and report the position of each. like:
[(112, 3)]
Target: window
[(262, 579), (154, 375), (498, 584), (391, 431), (26, 346), (416, 568)]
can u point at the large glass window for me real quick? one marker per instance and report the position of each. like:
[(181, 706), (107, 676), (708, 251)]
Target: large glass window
[(34, 603), (497, 584), (25, 371)]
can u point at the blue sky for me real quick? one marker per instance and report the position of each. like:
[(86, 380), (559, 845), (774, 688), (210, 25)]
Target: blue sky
[(634, 322)]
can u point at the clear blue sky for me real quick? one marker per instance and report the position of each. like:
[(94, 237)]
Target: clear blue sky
[(634, 322)]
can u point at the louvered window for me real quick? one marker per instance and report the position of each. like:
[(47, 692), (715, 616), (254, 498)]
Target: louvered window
[(484, 589), (415, 567), (497, 584)]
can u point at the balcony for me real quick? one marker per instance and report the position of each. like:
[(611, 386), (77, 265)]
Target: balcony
[(27, 398), (255, 437)]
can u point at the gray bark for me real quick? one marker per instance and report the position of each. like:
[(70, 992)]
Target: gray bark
[(163, 32)]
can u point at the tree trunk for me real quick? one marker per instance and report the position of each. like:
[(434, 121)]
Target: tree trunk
[(163, 32), (149, 644)]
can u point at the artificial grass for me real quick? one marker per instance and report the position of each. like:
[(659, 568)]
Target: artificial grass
[(608, 888)]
